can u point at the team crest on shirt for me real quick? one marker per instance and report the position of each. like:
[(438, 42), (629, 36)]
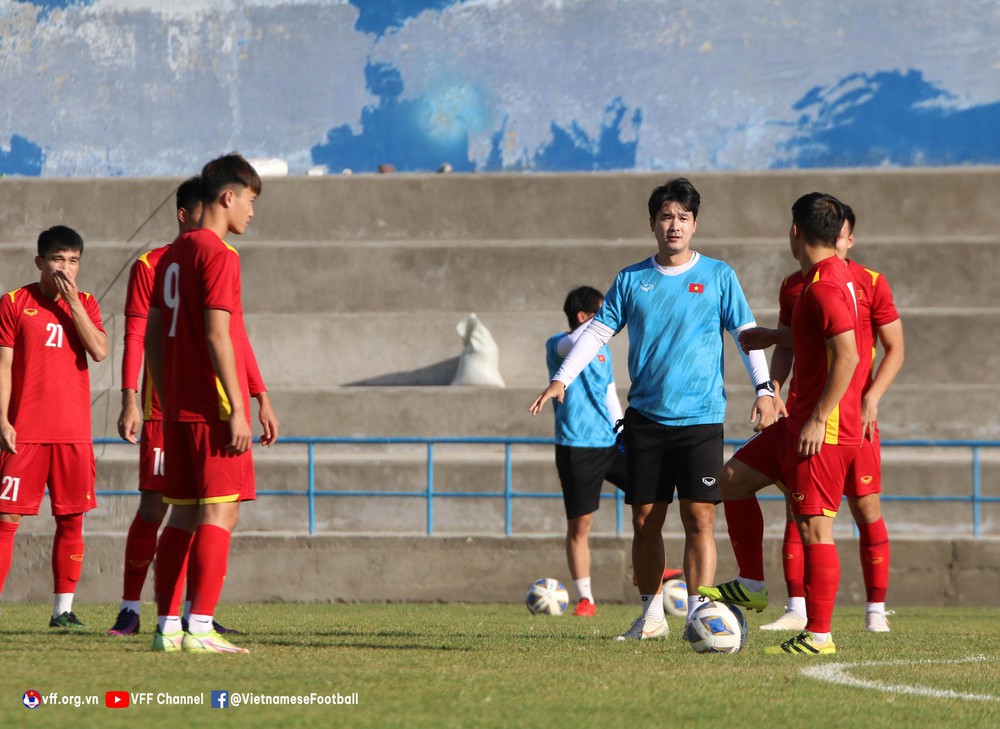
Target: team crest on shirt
[(31, 312), (708, 481), (601, 358), (696, 288), (798, 497), (645, 287)]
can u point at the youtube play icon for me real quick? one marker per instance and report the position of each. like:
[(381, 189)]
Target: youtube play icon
[(116, 699)]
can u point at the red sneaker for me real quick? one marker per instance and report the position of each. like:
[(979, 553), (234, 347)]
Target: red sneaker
[(668, 574), (585, 608)]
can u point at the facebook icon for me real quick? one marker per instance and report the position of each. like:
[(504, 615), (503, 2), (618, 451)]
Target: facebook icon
[(220, 699)]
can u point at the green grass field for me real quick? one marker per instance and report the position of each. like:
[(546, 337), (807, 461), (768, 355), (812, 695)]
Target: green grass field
[(498, 666)]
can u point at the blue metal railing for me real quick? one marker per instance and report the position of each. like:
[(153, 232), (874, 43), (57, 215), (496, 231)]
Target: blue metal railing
[(976, 499)]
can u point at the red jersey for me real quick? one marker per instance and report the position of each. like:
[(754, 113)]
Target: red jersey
[(875, 309), (825, 309), (140, 289), (199, 271), (50, 382)]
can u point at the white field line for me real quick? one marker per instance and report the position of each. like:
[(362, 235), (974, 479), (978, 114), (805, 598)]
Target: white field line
[(838, 673)]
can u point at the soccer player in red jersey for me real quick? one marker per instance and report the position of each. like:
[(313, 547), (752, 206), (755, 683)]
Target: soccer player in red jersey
[(140, 545), (47, 330), (811, 450), (878, 321), (196, 352)]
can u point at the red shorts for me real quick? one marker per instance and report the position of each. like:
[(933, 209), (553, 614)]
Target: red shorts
[(815, 484), (151, 457), (865, 474), (201, 470), (69, 470)]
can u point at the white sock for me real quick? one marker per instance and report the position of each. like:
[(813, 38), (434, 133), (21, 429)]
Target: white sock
[(187, 610), (876, 607), (168, 624), (755, 585), (819, 637), (132, 605), (694, 602), (62, 602), (798, 606), (583, 588), (199, 624), (652, 607)]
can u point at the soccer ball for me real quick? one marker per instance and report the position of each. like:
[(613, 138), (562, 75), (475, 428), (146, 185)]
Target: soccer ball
[(716, 628), (547, 596), (675, 598)]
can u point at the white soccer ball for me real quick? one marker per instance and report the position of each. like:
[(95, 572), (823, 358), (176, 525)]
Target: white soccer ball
[(675, 598), (716, 628), (547, 596)]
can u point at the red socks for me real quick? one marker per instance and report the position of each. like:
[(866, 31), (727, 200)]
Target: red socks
[(209, 561), (746, 532), (171, 564), (874, 547), (793, 561), (140, 549), (822, 578), (67, 553), (7, 530)]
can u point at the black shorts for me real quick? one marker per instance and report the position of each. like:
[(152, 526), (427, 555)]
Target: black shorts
[(662, 458), (582, 471)]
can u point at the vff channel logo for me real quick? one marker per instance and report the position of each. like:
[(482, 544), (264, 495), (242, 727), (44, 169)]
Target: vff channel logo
[(220, 699), (31, 699)]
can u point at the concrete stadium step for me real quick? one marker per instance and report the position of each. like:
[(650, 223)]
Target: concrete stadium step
[(506, 275), (906, 412), (903, 202)]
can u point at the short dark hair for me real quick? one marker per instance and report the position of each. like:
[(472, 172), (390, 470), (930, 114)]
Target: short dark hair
[(59, 238), (582, 298), (849, 215), (189, 193), (678, 190), (230, 170), (819, 218)]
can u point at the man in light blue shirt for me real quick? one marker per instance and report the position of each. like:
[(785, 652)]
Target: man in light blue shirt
[(676, 304)]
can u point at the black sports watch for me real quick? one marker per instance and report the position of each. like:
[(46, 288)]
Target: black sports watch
[(767, 387)]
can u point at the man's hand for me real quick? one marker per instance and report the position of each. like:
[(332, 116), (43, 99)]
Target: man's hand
[(241, 435), (66, 285), (763, 412), (130, 418), (869, 416), (811, 437), (268, 420), (8, 438), (555, 390), (757, 338)]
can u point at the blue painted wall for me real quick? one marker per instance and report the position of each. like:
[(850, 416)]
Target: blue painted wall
[(155, 87)]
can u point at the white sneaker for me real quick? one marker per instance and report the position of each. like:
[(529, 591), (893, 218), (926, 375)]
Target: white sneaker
[(789, 620), (878, 622), (643, 630)]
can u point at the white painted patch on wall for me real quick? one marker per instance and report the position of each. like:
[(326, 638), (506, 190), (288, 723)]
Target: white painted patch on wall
[(838, 673)]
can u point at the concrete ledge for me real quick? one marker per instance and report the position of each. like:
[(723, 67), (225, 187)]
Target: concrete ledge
[(276, 567)]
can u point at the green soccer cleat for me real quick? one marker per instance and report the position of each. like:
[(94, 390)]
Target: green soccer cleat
[(736, 593), (168, 642), (802, 645), (67, 620), (210, 642)]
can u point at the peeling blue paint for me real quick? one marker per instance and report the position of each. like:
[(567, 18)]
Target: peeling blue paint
[(24, 158), (889, 118), (381, 16)]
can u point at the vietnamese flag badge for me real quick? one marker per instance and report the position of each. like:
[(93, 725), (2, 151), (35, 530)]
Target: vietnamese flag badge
[(696, 288)]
